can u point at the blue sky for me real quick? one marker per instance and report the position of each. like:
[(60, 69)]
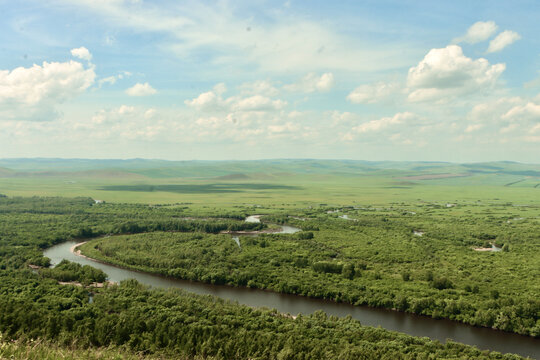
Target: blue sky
[(374, 80)]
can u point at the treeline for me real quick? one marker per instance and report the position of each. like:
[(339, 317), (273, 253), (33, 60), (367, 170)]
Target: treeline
[(174, 322)]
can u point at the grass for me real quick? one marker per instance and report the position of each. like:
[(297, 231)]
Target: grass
[(43, 350), (280, 183)]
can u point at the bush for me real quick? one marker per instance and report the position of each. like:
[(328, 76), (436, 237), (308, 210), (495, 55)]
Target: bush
[(305, 235), (328, 267), (406, 276), (442, 283)]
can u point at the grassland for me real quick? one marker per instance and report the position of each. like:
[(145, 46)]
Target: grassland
[(291, 184)]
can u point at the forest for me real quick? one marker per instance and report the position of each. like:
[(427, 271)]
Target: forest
[(424, 263), (340, 259)]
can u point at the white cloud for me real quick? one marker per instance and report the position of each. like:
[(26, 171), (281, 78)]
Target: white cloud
[(206, 101), (312, 83), (220, 88), (113, 115), (528, 112), (150, 113), (384, 123), (509, 128), (283, 128), (256, 103), (473, 128), (141, 90), (502, 40), (343, 118), (447, 72), (295, 114), (125, 109), (215, 122), (31, 93), (478, 32), (261, 87), (371, 93), (122, 123), (491, 112), (281, 43), (535, 129), (82, 53), (213, 101), (515, 116), (111, 80), (399, 139)]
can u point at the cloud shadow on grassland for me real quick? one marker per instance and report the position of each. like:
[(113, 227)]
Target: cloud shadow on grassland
[(199, 188)]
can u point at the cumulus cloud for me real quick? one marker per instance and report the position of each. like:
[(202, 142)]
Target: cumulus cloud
[(371, 93), (312, 83), (502, 40), (256, 103), (288, 127), (141, 90), (213, 101), (384, 123), (343, 118), (111, 80), (82, 53), (261, 87), (478, 32), (209, 100), (123, 122), (205, 101), (447, 72), (516, 116), (528, 112), (25, 92), (491, 112), (220, 88)]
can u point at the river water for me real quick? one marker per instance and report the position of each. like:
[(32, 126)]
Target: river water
[(410, 324)]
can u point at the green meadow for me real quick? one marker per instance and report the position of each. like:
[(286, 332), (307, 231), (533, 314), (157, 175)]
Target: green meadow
[(289, 183)]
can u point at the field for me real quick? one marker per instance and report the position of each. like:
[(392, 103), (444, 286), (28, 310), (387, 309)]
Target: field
[(283, 183)]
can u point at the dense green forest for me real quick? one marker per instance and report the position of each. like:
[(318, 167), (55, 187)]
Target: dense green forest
[(172, 321), (33, 305), (420, 261)]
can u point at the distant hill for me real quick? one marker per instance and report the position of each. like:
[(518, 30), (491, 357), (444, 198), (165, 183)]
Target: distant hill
[(5, 172), (255, 169)]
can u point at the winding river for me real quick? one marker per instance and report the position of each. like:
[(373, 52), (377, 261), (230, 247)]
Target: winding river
[(411, 324)]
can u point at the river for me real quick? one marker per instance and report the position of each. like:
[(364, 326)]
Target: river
[(411, 324)]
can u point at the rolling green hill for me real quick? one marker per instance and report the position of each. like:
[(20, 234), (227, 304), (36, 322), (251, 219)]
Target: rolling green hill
[(302, 181)]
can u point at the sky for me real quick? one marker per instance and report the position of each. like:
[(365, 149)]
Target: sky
[(213, 80)]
